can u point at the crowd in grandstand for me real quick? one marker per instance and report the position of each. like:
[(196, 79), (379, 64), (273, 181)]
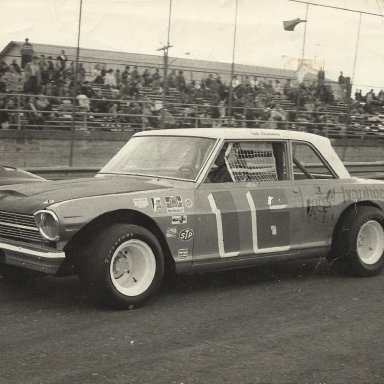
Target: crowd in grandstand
[(50, 88)]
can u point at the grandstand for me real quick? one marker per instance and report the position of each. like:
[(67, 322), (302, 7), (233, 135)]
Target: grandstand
[(124, 92)]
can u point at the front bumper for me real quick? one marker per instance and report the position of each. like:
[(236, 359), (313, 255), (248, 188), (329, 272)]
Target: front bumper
[(37, 258)]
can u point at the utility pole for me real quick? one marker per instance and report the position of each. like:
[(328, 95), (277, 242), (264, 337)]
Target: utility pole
[(232, 69), (165, 80), (75, 89), (165, 67)]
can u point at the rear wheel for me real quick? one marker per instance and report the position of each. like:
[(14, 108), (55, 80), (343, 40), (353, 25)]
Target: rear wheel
[(124, 266), (358, 244)]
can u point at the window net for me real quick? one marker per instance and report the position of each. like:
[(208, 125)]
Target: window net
[(251, 162)]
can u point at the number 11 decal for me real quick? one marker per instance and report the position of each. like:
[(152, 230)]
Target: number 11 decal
[(227, 221), (223, 201)]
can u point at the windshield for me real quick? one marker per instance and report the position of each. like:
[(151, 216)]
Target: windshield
[(179, 157)]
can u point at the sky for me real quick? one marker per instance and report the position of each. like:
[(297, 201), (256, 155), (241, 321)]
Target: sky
[(204, 29)]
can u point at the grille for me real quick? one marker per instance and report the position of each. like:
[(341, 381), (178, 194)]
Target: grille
[(19, 226)]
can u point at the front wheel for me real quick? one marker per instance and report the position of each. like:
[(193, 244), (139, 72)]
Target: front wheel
[(124, 266), (358, 244)]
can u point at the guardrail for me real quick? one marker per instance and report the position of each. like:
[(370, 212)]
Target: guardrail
[(372, 170)]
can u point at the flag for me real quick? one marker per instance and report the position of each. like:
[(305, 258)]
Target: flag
[(290, 25)]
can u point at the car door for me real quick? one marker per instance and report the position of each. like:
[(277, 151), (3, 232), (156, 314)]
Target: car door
[(248, 205), (321, 191)]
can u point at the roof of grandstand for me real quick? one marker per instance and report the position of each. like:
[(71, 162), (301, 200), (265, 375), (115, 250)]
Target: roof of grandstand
[(12, 49)]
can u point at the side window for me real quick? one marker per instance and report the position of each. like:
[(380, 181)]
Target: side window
[(249, 161), (307, 164)]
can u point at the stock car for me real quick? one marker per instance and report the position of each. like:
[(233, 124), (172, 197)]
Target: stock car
[(194, 200), (11, 175)]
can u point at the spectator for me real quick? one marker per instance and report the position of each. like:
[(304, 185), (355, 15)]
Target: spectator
[(12, 80), (43, 105), (32, 80), (62, 59), (135, 73), (118, 78), (81, 73), (125, 74), (358, 96), (235, 82), (34, 117), (109, 79), (169, 120), (87, 90), (180, 81), (26, 53), (115, 93), (95, 73), (215, 114), (146, 78), (15, 66), (172, 79), (83, 101), (4, 115), (341, 79), (278, 88)]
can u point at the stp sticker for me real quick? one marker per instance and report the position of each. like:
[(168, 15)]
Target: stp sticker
[(186, 234), (156, 204), (174, 204), (179, 219), (141, 203)]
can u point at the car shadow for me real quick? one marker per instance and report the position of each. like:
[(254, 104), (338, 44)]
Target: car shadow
[(273, 272), (67, 292)]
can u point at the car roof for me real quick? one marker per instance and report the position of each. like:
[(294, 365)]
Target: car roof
[(236, 133), (322, 143)]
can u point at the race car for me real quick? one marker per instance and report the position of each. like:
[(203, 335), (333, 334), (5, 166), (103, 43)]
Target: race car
[(190, 200), (11, 175)]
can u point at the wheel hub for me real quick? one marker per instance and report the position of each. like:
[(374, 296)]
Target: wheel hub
[(132, 267), (370, 242)]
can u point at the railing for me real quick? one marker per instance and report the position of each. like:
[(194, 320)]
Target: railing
[(69, 117)]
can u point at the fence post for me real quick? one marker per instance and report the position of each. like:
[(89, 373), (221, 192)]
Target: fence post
[(18, 112), (72, 139), (345, 139), (197, 117), (85, 120)]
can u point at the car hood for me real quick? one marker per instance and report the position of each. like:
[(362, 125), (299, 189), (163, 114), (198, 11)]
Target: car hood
[(27, 198)]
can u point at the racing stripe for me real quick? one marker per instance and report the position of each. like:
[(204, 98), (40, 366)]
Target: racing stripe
[(227, 221)]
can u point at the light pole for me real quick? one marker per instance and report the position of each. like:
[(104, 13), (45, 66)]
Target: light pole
[(232, 69), (75, 87), (165, 67)]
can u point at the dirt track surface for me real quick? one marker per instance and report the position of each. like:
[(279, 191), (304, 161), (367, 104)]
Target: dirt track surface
[(287, 323)]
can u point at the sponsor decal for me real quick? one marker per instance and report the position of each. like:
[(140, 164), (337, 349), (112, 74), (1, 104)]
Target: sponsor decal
[(186, 234), (321, 206), (275, 203), (141, 203), (179, 219), (182, 253), (156, 204), (174, 204), (362, 193), (171, 232), (188, 203), (46, 202)]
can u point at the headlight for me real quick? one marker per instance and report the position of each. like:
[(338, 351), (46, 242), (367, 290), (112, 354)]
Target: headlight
[(48, 225)]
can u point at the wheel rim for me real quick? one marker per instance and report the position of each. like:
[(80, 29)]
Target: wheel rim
[(370, 242), (133, 267)]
